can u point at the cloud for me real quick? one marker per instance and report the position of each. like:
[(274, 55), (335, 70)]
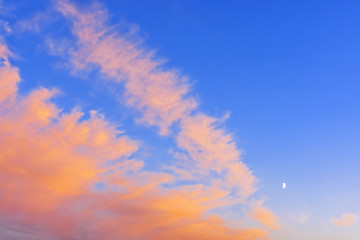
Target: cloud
[(53, 162), (47, 156), (346, 220), (264, 215), (161, 95), (5, 27), (36, 23), (4, 10), (176, 214), (8, 74)]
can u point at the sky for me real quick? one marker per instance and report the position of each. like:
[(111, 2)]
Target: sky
[(169, 119)]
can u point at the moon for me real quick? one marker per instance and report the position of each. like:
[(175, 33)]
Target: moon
[(284, 185)]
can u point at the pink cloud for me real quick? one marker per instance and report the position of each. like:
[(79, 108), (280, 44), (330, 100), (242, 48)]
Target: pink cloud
[(346, 220), (9, 75), (264, 215), (161, 95)]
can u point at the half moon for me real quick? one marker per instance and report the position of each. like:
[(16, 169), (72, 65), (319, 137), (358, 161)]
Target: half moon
[(284, 185)]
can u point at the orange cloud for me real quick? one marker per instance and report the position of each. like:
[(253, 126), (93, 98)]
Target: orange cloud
[(154, 215), (47, 157), (264, 216), (346, 220), (50, 160)]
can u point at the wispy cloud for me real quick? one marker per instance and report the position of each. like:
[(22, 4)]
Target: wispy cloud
[(36, 23), (161, 95), (5, 9), (264, 215), (346, 220), (8, 74)]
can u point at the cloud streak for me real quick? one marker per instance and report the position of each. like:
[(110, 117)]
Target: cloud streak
[(162, 96)]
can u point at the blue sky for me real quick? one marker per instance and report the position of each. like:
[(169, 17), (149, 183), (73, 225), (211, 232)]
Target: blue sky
[(287, 73)]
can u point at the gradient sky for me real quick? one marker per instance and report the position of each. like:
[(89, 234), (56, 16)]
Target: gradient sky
[(179, 120)]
